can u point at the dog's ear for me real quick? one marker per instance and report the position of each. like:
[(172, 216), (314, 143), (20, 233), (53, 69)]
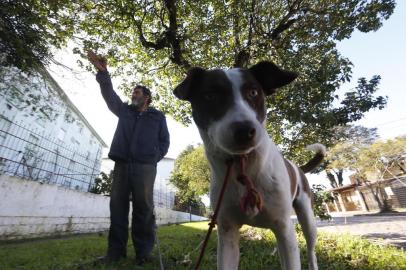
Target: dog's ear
[(270, 76), (194, 75)]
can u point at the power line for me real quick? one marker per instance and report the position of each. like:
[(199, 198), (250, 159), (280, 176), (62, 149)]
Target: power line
[(390, 122)]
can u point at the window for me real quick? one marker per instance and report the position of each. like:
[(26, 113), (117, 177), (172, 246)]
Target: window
[(71, 166), (80, 128), (69, 116), (66, 183), (16, 99), (8, 111), (75, 142), (61, 134), (45, 114), (41, 119), (5, 126), (92, 138)]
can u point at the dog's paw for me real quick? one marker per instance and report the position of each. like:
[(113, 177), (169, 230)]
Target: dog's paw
[(251, 211)]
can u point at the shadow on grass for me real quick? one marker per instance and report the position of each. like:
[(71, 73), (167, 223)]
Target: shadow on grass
[(396, 239), (179, 245)]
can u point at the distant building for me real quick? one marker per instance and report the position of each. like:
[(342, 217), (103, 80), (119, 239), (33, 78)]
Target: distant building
[(43, 136), (366, 196)]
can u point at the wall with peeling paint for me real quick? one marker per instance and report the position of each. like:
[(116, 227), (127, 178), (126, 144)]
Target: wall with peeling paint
[(29, 209)]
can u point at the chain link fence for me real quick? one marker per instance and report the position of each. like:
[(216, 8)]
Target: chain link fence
[(38, 156), (34, 155)]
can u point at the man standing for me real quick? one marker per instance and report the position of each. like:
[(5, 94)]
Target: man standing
[(141, 140)]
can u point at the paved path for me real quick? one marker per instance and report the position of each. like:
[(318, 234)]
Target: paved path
[(380, 228)]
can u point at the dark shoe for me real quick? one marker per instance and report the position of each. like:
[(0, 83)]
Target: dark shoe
[(143, 260), (108, 259)]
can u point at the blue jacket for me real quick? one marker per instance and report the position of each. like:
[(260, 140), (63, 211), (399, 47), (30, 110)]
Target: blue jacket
[(139, 136)]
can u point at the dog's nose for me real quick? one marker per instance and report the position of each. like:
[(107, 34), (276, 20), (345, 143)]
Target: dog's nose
[(244, 132)]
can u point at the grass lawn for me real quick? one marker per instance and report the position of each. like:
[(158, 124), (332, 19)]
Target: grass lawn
[(179, 246)]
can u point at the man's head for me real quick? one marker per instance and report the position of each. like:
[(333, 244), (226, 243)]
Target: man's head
[(141, 97)]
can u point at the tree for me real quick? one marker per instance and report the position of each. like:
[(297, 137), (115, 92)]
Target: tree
[(348, 141), (320, 198), (155, 42), (377, 162), (34, 94), (31, 29), (381, 156), (191, 175), (194, 206), (103, 184)]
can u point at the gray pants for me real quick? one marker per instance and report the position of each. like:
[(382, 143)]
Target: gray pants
[(138, 180)]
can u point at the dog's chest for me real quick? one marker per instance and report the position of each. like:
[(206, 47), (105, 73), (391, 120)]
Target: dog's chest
[(272, 193)]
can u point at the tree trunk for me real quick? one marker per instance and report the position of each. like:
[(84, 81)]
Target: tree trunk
[(363, 199), (375, 194), (332, 179), (340, 178)]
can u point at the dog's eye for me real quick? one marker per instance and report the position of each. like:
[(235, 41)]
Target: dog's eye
[(253, 93)]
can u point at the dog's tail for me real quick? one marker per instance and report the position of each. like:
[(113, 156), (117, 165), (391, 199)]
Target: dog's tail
[(320, 151)]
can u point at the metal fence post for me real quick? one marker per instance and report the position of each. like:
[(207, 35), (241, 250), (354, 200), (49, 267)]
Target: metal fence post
[(94, 168)]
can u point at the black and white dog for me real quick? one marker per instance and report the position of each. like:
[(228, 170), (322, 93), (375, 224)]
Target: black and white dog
[(228, 106)]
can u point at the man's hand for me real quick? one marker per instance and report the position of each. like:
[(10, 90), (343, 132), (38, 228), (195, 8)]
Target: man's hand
[(99, 62)]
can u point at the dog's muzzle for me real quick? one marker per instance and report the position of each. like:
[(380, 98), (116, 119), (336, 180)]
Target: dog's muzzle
[(243, 133)]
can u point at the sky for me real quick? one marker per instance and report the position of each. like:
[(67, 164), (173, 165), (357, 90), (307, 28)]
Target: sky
[(375, 53), (383, 53)]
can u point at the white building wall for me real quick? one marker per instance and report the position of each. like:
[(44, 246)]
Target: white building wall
[(29, 209), (65, 126)]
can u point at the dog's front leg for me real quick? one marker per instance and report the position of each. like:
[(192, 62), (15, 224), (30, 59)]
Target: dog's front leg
[(287, 245), (228, 250)]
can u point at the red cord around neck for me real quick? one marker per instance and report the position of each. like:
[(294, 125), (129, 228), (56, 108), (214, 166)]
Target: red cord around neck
[(251, 199)]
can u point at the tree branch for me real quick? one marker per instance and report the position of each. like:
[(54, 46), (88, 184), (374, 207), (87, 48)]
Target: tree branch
[(168, 38), (243, 56), (172, 37), (158, 68), (280, 28), (161, 42), (286, 21), (251, 24)]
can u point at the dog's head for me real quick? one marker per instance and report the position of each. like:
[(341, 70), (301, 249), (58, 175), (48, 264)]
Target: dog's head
[(229, 105)]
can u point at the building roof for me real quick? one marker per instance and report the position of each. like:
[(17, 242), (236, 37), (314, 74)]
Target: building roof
[(65, 97), (351, 186), (343, 188)]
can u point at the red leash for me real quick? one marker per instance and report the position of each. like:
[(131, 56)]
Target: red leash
[(252, 198), (214, 217)]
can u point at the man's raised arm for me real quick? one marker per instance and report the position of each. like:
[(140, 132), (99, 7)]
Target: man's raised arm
[(113, 101)]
